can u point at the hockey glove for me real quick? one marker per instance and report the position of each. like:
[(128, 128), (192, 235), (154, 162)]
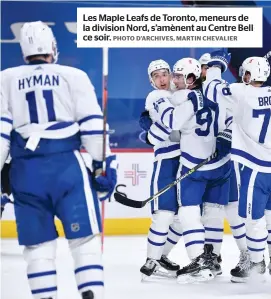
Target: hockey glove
[(199, 101), (223, 143), (220, 58), (145, 121), (105, 182)]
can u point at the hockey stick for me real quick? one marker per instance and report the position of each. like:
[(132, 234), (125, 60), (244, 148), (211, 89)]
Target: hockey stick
[(140, 204), (104, 102)]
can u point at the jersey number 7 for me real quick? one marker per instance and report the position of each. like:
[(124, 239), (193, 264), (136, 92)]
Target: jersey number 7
[(266, 121), (32, 105)]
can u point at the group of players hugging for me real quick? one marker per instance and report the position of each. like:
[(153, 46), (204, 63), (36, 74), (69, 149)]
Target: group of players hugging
[(49, 111), (191, 114)]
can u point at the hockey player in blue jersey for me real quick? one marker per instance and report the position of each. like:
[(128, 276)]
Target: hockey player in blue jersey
[(48, 112), (165, 229), (201, 133), (251, 150)]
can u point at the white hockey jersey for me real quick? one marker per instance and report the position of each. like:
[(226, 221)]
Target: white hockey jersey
[(251, 130), (49, 101), (251, 139), (198, 131), (159, 135)]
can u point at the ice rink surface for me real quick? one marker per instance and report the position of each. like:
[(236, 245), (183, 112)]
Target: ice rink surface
[(123, 258)]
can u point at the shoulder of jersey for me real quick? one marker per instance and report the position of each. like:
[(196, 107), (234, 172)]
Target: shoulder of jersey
[(11, 70), (159, 94), (179, 96), (156, 95), (237, 86), (68, 69), (57, 67)]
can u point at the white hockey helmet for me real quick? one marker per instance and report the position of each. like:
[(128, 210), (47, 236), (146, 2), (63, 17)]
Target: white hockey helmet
[(242, 67), (157, 65), (186, 67), (205, 58), (37, 39), (258, 67)]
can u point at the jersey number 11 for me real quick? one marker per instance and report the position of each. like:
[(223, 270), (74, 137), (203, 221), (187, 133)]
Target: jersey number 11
[(32, 105)]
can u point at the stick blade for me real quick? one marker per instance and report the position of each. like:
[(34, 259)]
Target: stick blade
[(128, 202)]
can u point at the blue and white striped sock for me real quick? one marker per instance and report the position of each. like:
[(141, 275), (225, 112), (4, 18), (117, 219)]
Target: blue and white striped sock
[(88, 265), (237, 225), (156, 242), (174, 235), (157, 237), (213, 221), (214, 236), (239, 234), (193, 230), (42, 279), (256, 238), (268, 225)]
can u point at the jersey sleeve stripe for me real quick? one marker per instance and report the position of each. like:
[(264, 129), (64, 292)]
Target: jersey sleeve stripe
[(215, 92), (161, 128), (89, 118), (169, 109), (5, 136), (155, 136), (228, 120), (8, 120), (208, 86)]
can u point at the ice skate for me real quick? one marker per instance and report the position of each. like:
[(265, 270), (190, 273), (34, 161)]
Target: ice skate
[(166, 263), (244, 271), (154, 270), (242, 267), (200, 269)]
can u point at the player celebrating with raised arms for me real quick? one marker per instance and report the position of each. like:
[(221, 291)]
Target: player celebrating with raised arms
[(48, 112), (251, 149), (218, 89)]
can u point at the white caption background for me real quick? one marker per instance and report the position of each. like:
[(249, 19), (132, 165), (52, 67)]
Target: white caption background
[(140, 27)]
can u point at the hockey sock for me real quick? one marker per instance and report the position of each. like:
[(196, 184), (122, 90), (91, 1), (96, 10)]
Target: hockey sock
[(88, 264), (174, 235), (237, 225), (158, 233), (41, 269), (213, 221), (256, 238), (268, 222), (193, 230)]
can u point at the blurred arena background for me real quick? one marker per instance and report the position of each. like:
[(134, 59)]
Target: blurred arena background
[(128, 86)]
